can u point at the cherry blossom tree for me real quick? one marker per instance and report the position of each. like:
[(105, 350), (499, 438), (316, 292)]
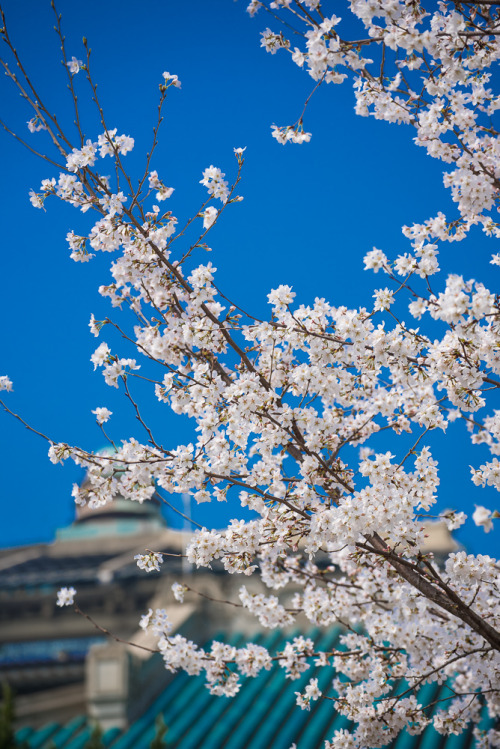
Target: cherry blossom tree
[(286, 408)]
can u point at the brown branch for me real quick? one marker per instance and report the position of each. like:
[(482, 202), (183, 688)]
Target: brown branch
[(105, 631)]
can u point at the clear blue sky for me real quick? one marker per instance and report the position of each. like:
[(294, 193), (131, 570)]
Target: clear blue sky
[(309, 215)]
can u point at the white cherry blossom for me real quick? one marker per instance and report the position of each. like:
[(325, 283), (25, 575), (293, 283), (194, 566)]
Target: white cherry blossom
[(65, 596)]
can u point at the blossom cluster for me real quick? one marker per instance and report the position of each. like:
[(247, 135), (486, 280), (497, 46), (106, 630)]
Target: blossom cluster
[(213, 180), (65, 596), (150, 561), (429, 67)]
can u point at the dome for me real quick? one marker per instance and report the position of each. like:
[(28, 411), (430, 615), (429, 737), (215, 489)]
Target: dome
[(119, 515)]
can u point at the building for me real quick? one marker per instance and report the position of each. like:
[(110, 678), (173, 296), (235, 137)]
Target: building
[(69, 674)]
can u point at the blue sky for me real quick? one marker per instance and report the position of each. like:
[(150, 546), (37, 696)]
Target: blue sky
[(309, 215)]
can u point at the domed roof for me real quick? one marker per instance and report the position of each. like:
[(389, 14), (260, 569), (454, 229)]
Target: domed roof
[(119, 507)]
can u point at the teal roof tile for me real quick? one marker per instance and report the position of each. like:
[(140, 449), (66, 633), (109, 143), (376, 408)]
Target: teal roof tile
[(226, 730), (38, 738), (110, 736), (23, 734), (263, 715), (273, 729), (61, 739), (79, 741)]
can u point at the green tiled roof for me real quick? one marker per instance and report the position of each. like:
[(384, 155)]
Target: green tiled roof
[(263, 715)]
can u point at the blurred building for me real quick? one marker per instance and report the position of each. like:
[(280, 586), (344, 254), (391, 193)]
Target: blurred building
[(67, 672), (43, 647)]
